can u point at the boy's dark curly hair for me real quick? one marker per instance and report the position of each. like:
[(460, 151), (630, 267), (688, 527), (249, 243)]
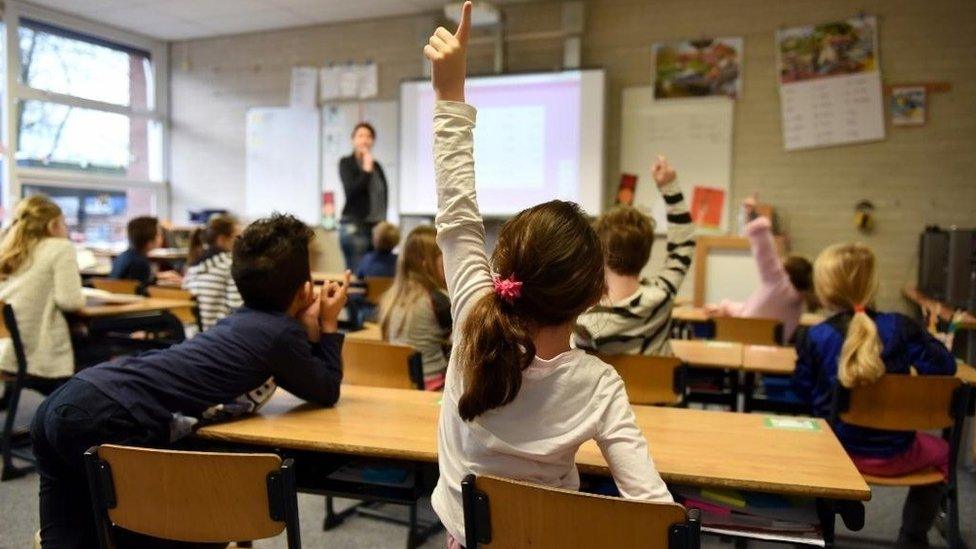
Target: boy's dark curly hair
[(271, 262)]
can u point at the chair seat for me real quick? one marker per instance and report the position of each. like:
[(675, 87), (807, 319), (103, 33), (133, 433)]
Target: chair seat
[(930, 475)]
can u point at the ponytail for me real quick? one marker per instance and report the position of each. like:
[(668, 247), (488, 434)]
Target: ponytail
[(845, 279), (32, 223), (196, 246), (860, 357), (495, 349)]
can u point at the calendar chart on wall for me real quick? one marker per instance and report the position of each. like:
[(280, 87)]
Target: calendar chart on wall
[(830, 84)]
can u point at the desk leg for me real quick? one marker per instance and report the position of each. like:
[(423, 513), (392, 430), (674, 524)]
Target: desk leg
[(851, 512), (748, 390), (734, 389)]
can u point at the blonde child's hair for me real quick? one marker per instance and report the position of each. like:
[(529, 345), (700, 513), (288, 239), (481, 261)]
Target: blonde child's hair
[(386, 236), (417, 274), (845, 279), (33, 220)]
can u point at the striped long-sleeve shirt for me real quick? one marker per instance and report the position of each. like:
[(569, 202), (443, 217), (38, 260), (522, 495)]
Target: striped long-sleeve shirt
[(211, 283), (641, 322)]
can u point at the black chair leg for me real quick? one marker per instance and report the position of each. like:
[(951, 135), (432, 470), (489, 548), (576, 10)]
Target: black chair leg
[(952, 512), (11, 471), (412, 537)]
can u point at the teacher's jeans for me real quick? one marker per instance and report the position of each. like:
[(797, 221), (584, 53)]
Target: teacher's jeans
[(355, 239)]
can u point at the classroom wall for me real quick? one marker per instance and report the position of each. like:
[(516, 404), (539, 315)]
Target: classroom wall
[(915, 177)]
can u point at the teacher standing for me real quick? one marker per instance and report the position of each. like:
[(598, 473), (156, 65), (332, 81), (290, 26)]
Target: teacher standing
[(364, 183)]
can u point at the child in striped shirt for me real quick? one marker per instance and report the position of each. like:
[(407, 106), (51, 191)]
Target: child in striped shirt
[(208, 276), (634, 316)]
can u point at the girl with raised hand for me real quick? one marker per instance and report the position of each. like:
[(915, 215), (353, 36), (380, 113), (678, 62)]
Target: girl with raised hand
[(518, 400)]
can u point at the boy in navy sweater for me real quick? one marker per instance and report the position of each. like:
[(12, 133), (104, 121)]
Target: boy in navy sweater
[(285, 334)]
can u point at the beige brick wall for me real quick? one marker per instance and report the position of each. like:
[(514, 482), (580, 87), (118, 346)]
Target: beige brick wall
[(915, 177)]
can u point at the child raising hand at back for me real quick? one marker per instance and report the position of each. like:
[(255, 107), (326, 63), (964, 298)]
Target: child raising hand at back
[(518, 401)]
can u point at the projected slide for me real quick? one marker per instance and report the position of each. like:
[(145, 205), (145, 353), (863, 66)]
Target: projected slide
[(537, 137)]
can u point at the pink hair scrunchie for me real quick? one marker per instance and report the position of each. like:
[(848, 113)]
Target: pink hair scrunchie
[(508, 289)]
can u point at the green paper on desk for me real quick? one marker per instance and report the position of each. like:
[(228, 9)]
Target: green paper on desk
[(791, 423)]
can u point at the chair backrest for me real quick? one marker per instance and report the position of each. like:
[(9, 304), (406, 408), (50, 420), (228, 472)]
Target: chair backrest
[(381, 364), (507, 513), (187, 315), (115, 285), (192, 496), (650, 379), (750, 331), (376, 286), (9, 328), (902, 402)]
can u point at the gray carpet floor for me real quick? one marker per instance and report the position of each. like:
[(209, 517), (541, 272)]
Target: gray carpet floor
[(18, 518)]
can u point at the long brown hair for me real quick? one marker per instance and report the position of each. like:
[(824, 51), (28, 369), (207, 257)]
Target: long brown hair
[(845, 279), (417, 275), (557, 256), (32, 223), (217, 226)]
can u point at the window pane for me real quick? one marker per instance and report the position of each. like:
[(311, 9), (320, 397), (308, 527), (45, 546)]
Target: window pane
[(58, 136), (63, 62), (98, 217)]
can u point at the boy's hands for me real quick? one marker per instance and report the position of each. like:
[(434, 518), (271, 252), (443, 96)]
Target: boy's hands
[(309, 315), (448, 54), (662, 172), (333, 298)]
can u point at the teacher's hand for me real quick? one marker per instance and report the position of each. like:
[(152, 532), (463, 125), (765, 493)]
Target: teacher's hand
[(367, 160)]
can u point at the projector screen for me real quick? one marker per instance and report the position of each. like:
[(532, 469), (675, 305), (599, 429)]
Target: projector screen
[(538, 137)]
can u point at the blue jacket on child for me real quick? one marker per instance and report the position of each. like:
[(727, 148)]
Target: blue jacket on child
[(905, 344)]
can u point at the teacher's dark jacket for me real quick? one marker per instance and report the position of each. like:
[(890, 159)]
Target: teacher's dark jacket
[(355, 183)]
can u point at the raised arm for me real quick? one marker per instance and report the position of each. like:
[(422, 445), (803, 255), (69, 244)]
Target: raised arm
[(681, 231), (760, 233), (460, 229)]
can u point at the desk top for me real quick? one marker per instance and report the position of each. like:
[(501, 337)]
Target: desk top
[(769, 359), (945, 311), (698, 314), (369, 332), (704, 448), (149, 304), (708, 354), (325, 276)]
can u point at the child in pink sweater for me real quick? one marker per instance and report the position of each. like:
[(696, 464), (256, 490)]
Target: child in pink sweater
[(784, 285)]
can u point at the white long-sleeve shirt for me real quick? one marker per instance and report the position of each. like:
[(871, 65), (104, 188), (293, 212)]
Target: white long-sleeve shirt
[(563, 402), (42, 289)]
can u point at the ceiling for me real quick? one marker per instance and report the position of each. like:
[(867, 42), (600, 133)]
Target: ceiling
[(185, 19)]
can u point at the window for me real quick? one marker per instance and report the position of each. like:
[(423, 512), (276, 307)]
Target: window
[(87, 107), (60, 61)]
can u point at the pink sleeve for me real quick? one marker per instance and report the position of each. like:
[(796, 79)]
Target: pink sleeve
[(760, 233)]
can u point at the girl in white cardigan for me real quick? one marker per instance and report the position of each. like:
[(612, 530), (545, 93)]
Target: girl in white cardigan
[(39, 278), (518, 401)]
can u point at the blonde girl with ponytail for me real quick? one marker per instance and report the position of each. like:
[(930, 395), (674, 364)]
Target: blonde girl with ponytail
[(856, 347), (518, 400), (39, 278)]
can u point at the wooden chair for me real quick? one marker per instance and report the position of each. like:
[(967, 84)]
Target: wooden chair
[(650, 379), (902, 402), (15, 384), (381, 364), (376, 286), (198, 497), (391, 366), (187, 315), (749, 331), (508, 513), (115, 285)]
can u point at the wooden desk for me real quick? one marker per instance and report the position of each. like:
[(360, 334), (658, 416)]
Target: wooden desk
[(966, 373), (320, 277), (698, 315), (369, 332), (147, 305), (702, 448), (769, 359), (708, 354), (169, 254)]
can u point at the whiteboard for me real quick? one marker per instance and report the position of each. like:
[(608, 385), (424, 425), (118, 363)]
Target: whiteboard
[(338, 120), (730, 274), (282, 163), (696, 136)]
